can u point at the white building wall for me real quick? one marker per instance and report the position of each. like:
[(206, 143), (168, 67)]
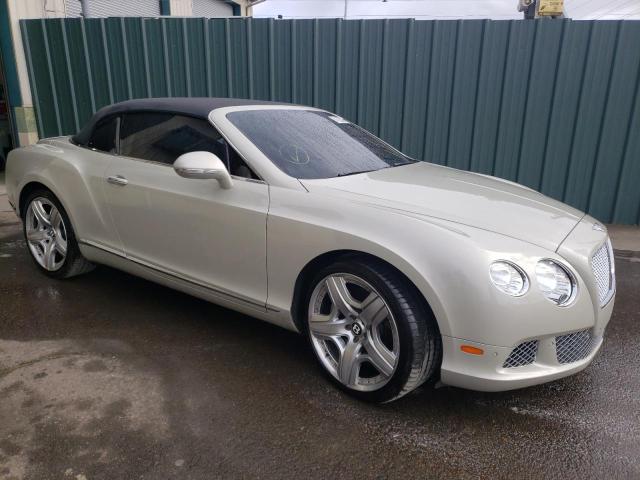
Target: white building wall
[(149, 8), (181, 8), (211, 8), (19, 9), (115, 8), (440, 9), (73, 8)]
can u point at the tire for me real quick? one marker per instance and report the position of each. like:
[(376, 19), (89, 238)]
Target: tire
[(47, 228), (400, 347)]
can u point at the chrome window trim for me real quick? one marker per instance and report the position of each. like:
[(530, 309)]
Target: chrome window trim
[(95, 150), (162, 164)]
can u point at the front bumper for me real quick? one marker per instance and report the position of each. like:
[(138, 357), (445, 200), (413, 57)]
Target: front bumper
[(546, 326), (487, 373)]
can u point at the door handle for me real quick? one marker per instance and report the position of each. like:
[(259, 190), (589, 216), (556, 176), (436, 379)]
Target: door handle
[(117, 180)]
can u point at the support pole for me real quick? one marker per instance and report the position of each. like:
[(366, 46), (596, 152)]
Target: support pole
[(86, 12)]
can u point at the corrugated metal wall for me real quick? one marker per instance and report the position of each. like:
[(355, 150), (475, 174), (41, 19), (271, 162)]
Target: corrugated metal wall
[(551, 104)]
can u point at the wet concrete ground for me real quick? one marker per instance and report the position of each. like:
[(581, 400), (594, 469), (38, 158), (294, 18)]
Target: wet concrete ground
[(110, 376)]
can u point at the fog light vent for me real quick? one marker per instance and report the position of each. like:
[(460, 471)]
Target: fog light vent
[(523, 354), (574, 346)]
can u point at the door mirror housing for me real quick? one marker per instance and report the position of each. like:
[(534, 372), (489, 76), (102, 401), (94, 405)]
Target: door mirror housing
[(203, 165)]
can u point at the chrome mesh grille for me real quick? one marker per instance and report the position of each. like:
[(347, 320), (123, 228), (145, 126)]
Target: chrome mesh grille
[(602, 266), (523, 354), (574, 346)]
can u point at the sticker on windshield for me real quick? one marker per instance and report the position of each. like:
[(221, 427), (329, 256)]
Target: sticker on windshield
[(338, 119), (294, 154)]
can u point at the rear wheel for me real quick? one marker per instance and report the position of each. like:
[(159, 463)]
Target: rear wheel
[(50, 237), (371, 330)]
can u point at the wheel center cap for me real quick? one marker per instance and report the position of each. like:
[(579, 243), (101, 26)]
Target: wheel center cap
[(357, 328), (51, 233)]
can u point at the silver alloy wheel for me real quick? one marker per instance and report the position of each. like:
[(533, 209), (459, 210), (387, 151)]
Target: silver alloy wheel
[(46, 234), (353, 332)]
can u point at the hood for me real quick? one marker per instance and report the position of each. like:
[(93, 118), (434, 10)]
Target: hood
[(463, 197)]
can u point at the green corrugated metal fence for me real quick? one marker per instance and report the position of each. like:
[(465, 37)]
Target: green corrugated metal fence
[(551, 104)]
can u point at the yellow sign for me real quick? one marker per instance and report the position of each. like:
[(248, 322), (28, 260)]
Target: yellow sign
[(550, 8)]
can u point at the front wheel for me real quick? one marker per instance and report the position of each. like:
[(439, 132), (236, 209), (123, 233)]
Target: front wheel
[(371, 330)]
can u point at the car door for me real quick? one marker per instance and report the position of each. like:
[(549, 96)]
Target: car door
[(190, 228)]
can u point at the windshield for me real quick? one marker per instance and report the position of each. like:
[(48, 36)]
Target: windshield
[(309, 144)]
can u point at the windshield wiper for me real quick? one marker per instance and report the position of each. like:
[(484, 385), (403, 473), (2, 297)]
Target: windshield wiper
[(359, 171)]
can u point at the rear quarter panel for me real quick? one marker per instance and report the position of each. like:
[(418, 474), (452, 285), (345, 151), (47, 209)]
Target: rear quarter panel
[(76, 177)]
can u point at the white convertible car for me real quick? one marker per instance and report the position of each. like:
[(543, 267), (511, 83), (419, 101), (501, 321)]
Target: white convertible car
[(398, 271)]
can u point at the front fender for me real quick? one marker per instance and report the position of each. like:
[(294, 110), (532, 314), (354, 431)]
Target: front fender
[(448, 263), (301, 227)]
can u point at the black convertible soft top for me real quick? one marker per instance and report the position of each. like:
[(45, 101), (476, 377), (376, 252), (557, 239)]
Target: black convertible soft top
[(192, 106)]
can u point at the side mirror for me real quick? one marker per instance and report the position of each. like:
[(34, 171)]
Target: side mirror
[(203, 165)]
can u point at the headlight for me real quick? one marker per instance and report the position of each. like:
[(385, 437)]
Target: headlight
[(508, 278), (555, 282)]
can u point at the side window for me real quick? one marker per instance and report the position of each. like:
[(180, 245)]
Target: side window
[(237, 166), (103, 137), (163, 137)]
